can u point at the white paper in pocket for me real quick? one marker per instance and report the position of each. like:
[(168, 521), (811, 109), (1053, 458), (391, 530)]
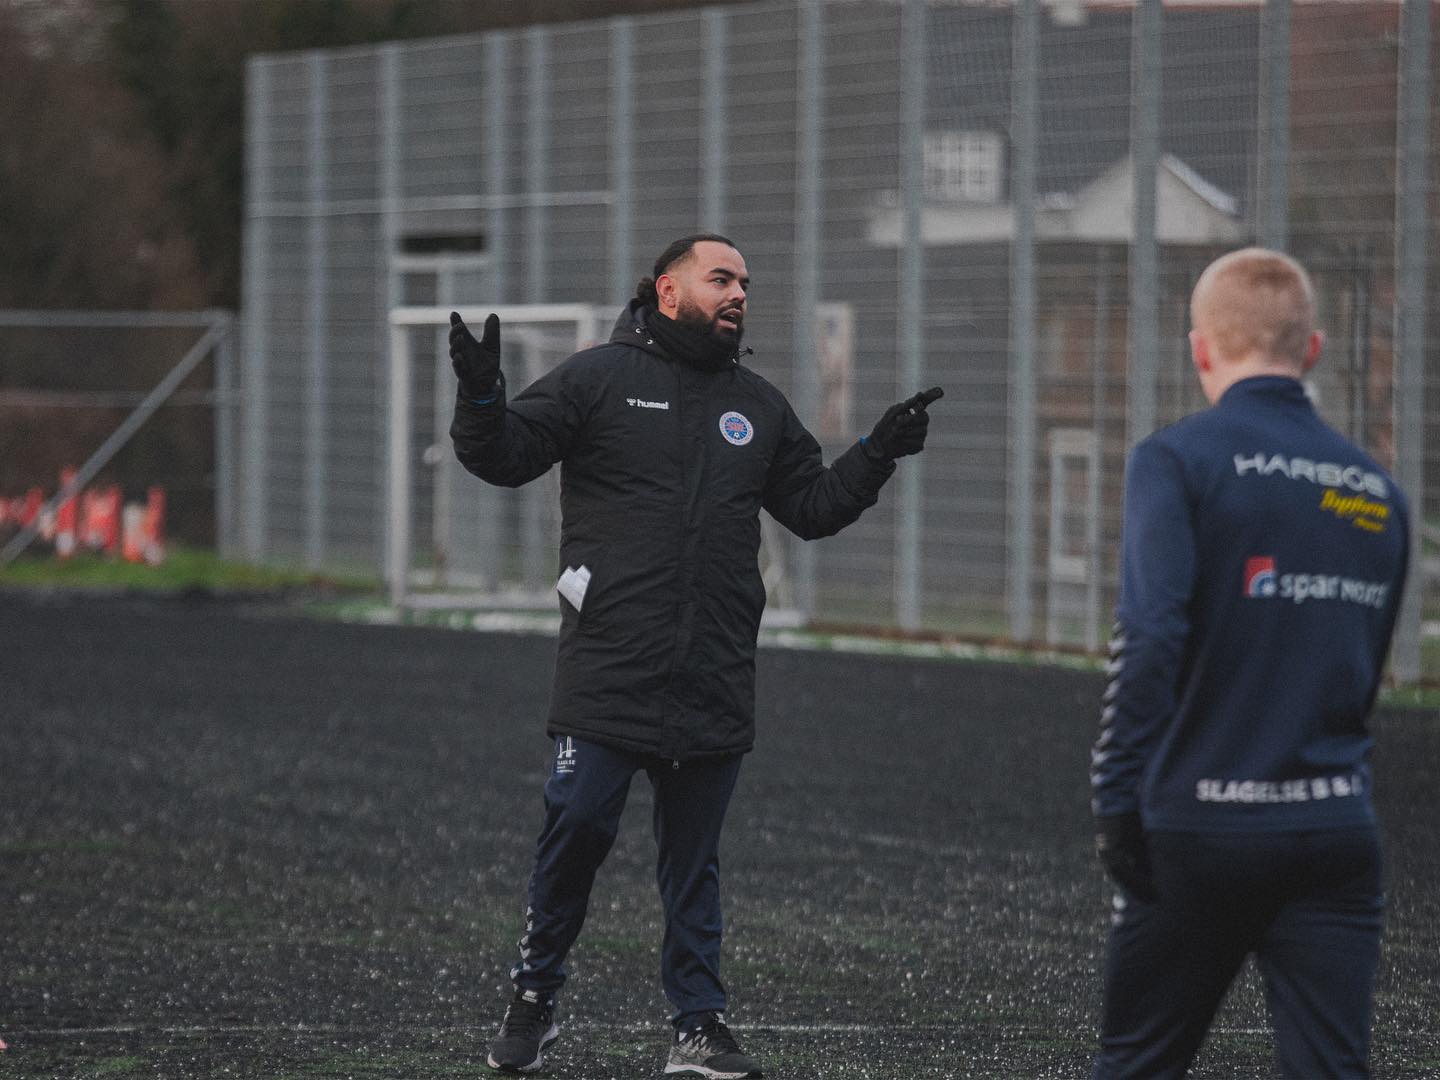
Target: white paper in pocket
[(572, 585)]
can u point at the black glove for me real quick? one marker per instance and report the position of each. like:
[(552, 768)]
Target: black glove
[(902, 429), (1120, 843), (476, 363)]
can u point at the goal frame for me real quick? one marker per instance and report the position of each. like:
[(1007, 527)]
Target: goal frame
[(399, 547), (591, 324)]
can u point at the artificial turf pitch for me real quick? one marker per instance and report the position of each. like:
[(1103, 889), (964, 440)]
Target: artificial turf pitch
[(239, 843)]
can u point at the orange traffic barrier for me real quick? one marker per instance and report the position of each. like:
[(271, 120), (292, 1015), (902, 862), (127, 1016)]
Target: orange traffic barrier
[(155, 526), (100, 519), (34, 499), (66, 517)]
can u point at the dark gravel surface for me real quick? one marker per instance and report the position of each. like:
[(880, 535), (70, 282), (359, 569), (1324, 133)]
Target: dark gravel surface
[(239, 843)]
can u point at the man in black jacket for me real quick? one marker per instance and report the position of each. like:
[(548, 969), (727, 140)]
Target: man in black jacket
[(669, 448)]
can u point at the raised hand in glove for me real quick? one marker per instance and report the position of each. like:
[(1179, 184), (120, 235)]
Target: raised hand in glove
[(1120, 843), (476, 363), (901, 431)]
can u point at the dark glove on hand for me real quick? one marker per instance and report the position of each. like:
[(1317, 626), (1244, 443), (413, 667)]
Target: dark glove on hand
[(476, 363), (901, 431), (1120, 843)]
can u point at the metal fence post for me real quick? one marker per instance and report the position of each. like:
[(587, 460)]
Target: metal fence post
[(1145, 90), (712, 123), (397, 464), (497, 159), (808, 120), (254, 373), (490, 530), (389, 286), (535, 557), (1025, 137), (317, 405), (537, 172), (911, 301), (227, 467), (622, 160), (1412, 228), (1273, 146), (1099, 391)]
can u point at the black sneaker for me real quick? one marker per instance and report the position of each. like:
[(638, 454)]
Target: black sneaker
[(710, 1051), (528, 1028)]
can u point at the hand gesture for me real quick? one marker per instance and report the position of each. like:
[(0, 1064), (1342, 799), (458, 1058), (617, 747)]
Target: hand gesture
[(1120, 843), (476, 363), (901, 431)]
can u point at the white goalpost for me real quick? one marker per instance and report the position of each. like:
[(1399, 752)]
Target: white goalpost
[(453, 542)]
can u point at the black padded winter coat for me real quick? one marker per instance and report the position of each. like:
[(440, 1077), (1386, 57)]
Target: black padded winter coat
[(664, 470)]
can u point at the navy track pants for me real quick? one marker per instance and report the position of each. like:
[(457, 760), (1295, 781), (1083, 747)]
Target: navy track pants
[(1307, 905), (584, 798)]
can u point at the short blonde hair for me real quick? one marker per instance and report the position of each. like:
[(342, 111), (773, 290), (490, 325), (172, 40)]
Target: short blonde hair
[(1255, 300)]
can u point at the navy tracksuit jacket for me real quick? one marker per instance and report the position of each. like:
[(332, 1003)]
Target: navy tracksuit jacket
[(1261, 572), (1262, 567)]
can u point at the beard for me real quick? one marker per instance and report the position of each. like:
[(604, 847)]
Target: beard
[(690, 315)]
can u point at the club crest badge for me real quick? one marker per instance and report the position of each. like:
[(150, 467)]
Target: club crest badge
[(736, 429)]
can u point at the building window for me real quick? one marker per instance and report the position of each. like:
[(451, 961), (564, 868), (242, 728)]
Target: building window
[(963, 166)]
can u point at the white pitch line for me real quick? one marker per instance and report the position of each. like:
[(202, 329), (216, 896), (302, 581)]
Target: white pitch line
[(883, 840), (578, 1026)]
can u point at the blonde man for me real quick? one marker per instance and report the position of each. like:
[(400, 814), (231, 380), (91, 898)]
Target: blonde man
[(1262, 563)]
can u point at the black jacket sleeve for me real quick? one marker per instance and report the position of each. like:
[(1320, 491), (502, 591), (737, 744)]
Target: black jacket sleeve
[(511, 443), (811, 499)]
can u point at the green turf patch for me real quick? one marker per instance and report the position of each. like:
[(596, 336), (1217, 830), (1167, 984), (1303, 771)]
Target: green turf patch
[(119, 1066), (1415, 697), (183, 569), (358, 596)]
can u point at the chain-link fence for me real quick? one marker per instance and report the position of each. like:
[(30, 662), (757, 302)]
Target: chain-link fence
[(127, 402), (925, 192)]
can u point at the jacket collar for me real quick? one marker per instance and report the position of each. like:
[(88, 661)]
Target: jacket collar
[(1275, 387), (633, 327)]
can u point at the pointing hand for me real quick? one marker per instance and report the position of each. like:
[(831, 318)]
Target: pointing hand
[(901, 431)]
